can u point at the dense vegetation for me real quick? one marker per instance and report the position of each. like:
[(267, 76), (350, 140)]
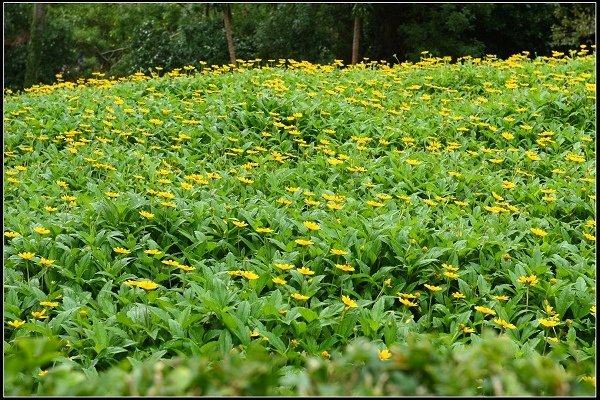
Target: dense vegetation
[(121, 39), (422, 228)]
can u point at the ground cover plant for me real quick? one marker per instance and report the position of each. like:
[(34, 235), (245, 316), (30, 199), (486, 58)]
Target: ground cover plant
[(290, 228)]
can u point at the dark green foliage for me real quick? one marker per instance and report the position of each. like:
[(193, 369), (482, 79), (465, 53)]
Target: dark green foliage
[(123, 38), (490, 367)]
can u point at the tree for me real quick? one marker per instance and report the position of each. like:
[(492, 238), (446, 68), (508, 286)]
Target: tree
[(34, 48), (229, 33), (358, 11)]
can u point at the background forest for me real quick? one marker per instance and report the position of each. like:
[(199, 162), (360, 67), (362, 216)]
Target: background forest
[(120, 39)]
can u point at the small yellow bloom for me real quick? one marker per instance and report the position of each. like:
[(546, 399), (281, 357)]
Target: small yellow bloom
[(152, 252), (451, 275), (264, 230), (283, 266), (338, 252), (589, 237), (458, 295), (121, 250), (502, 297), (41, 230), (26, 255), (530, 280), (538, 232), (306, 271), (407, 302), (43, 373), (433, 288), (325, 354), (146, 214), (349, 302), (466, 329), (384, 354), (112, 194), (11, 234), (16, 323), (146, 285), (303, 242), (485, 310), (504, 324), (313, 226), (186, 268), (548, 323), (299, 296), (249, 275), (39, 314), (345, 267), (279, 281), (49, 303), (374, 203), (171, 263)]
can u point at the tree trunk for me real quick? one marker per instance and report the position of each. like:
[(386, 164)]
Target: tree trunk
[(229, 33), (34, 47), (356, 39)]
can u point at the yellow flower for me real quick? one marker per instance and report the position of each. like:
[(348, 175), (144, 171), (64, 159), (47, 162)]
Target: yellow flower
[(186, 267), (112, 194), (384, 354), (146, 285), (593, 310), (249, 275), (538, 232), (43, 373), (338, 252), (279, 281), (303, 242), (589, 237), (39, 314), (449, 267), (62, 184), (16, 323), (530, 280), (264, 230), (49, 303), (11, 234), (306, 271), (466, 329), (325, 354), (283, 266), (502, 297), (504, 324), (121, 250), (146, 214), (433, 288), (171, 263), (548, 323), (313, 226), (299, 296), (485, 310), (240, 224), (451, 275), (345, 267), (458, 295), (374, 203), (349, 302), (41, 230), (152, 252), (26, 255), (407, 302)]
